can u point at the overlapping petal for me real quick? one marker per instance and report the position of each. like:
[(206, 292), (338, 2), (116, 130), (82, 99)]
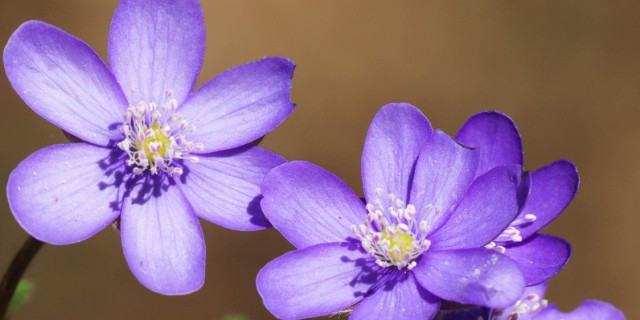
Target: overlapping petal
[(157, 46), (496, 137), (471, 276), (241, 104), (395, 138), (224, 187), (398, 299), (489, 206), (310, 205), (63, 80), (588, 310), (315, 281), (540, 257), (443, 174), (552, 189), (162, 239)]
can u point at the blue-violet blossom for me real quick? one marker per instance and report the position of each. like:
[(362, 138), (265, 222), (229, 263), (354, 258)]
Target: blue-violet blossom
[(420, 237), (552, 188), (154, 154)]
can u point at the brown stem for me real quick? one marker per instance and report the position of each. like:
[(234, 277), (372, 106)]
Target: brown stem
[(15, 271)]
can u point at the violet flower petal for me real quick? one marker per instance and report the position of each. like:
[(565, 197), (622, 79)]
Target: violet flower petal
[(162, 241), (588, 310), (64, 81), (540, 257), (471, 276), (443, 174), (398, 299), (315, 281), (394, 140), (56, 194), (552, 189), (224, 187), (488, 207), (310, 205), (157, 46), (497, 138), (241, 104)]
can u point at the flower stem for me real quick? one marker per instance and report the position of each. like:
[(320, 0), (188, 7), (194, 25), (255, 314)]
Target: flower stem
[(15, 271)]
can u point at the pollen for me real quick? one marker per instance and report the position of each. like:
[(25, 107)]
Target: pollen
[(155, 138)]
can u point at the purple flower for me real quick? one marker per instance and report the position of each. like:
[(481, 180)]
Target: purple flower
[(552, 188), (420, 237), (154, 154), (533, 306)]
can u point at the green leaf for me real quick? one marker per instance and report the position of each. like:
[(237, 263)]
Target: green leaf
[(22, 293), (235, 317)]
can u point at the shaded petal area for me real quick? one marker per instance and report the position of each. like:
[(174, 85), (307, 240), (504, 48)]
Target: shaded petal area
[(465, 314), (157, 46), (162, 240), (310, 205), (489, 206), (497, 138), (471, 276), (394, 140), (398, 299), (315, 281), (64, 81), (588, 310), (552, 189), (540, 257), (224, 187), (57, 194), (443, 174), (240, 105)]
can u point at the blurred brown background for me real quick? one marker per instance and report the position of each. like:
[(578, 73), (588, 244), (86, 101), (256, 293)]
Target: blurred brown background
[(567, 72)]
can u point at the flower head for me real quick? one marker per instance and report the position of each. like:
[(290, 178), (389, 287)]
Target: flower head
[(418, 239), (551, 189), (154, 154)]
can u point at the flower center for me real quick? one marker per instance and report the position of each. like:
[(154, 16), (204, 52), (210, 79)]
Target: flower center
[(528, 306), (511, 234), (155, 138), (391, 233)]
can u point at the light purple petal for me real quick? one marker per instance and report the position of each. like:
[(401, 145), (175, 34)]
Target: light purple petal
[(588, 310), (398, 299), (310, 205), (155, 47), (488, 208), (59, 195), (162, 240), (540, 257), (64, 81), (496, 137), (471, 276), (315, 281), (224, 188), (394, 140), (240, 105), (552, 189), (443, 174)]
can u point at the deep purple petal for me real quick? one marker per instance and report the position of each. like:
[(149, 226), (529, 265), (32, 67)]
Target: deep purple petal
[(315, 281), (155, 47), (466, 314), (496, 137), (488, 208), (394, 140), (240, 105), (443, 174), (588, 310), (540, 257), (224, 188), (57, 194), (310, 205), (398, 299), (162, 241), (64, 81), (552, 189), (471, 276)]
